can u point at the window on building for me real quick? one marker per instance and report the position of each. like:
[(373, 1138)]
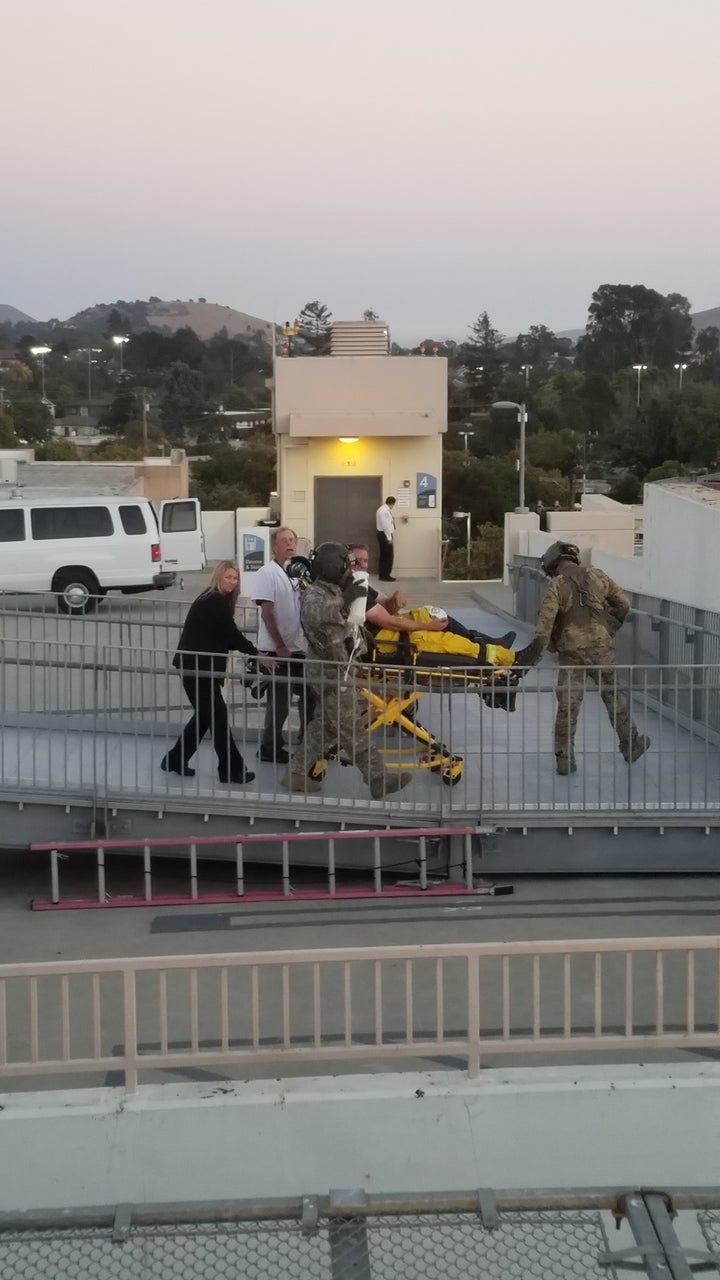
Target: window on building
[(50, 523), (133, 520), (179, 517), (12, 526)]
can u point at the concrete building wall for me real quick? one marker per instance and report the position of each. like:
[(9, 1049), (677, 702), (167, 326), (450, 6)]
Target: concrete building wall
[(413, 1132), (359, 416), (681, 542), (417, 536), (360, 396), (600, 523)]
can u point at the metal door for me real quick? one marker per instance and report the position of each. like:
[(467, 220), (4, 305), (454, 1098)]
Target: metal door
[(345, 509)]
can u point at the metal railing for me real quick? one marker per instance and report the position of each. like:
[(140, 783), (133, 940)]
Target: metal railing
[(92, 723), (467, 1002), (660, 633), (145, 621)]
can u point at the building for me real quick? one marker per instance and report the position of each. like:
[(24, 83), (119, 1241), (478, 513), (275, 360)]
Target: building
[(156, 478), (353, 427)]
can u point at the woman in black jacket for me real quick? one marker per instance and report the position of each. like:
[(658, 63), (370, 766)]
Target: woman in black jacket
[(207, 636)]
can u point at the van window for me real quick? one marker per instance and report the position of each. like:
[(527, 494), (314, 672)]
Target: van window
[(12, 526), (71, 522), (133, 520), (179, 517)]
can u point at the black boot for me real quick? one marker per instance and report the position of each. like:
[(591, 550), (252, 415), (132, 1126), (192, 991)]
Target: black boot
[(183, 770)]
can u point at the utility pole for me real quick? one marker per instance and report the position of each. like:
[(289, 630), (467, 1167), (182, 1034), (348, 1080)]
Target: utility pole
[(144, 419)]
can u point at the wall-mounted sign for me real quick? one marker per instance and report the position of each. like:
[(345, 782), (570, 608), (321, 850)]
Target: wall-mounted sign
[(253, 552), (426, 490)]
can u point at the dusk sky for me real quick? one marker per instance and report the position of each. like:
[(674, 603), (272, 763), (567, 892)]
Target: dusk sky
[(427, 159)]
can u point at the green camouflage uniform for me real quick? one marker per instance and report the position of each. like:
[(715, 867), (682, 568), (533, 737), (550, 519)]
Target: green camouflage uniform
[(340, 721), (580, 613)]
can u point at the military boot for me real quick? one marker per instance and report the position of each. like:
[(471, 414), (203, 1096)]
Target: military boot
[(387, 784), (637, 748), (300, 782), (531, 654), (565, 764)]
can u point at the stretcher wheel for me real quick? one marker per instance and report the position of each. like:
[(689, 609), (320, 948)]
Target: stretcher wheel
[(452, 772)]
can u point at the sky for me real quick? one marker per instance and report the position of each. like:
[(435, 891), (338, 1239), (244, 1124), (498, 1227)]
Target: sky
[(429, 160)]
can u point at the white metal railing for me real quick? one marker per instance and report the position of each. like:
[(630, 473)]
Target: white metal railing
[(93, 722), (472, 1002)]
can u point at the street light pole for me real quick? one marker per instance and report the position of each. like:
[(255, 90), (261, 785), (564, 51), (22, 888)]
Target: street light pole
[(120, 342), (522, 419), (465, 435), (467, 517), (640, 368), (525, 368), (42, 352), (681, 369)]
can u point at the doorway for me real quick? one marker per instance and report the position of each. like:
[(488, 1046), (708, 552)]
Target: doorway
[(345, 509)]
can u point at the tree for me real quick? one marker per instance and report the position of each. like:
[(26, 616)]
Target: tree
[(315, 320), (630, 324), (555, 451), (707, 345), (538, 347), (32, 421), (183, 402), (118, 325), (370, 315), (117, 451), (237, 477), (682, 426), (486, 556), (120, 411), (8, 439), (482, 355), (58, 450)]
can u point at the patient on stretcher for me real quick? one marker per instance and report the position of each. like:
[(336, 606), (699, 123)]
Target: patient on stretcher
[(456, 645)]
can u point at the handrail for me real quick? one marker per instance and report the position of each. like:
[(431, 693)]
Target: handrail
[(467, 1001)]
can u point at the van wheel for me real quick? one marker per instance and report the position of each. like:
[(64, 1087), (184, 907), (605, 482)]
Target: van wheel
[(77, 591)]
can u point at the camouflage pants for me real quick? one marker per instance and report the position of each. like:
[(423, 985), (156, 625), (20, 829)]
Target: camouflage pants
[(340, 723), (572, 682)]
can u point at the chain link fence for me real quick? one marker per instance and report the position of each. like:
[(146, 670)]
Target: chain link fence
[(447, 1246)]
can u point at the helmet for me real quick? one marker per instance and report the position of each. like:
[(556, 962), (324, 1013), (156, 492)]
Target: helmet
[(331, 562), (557, 552), (298, 570)]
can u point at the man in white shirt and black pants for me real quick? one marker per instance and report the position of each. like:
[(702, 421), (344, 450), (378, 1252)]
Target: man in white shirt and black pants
[(385, 526), (280, 637)]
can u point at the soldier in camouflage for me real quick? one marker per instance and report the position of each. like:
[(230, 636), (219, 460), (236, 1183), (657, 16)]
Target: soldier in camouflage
[(579, 616), (340, 721)]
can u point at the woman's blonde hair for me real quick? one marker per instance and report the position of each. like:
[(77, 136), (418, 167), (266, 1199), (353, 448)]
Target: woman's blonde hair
[(218, 572)]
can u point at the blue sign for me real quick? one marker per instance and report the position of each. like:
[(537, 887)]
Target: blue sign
[(426, 489), (253, 552)]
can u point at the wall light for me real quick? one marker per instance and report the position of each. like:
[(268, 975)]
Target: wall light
[(348, 439)]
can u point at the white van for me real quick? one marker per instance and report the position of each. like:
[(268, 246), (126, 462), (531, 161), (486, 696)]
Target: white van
[(81, 548)]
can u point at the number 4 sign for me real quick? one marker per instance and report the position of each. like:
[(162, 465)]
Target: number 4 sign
[(426, 490)]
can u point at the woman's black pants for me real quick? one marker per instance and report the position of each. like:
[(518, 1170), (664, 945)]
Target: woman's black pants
[(203, 692)]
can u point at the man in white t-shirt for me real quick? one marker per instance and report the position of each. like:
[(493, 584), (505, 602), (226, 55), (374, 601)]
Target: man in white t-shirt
[(280, 637), (385, 526)]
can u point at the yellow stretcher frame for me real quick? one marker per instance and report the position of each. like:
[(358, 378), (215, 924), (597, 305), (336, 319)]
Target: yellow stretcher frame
[(390, 711)]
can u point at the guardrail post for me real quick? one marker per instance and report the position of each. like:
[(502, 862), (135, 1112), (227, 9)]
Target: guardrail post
[(130, 1057), (473, 1015)]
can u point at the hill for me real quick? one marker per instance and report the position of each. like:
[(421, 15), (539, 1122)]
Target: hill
[(703, 319), (205, 318), (11, 315)]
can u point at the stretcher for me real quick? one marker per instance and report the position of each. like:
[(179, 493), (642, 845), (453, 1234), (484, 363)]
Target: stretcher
[(402, 668)]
